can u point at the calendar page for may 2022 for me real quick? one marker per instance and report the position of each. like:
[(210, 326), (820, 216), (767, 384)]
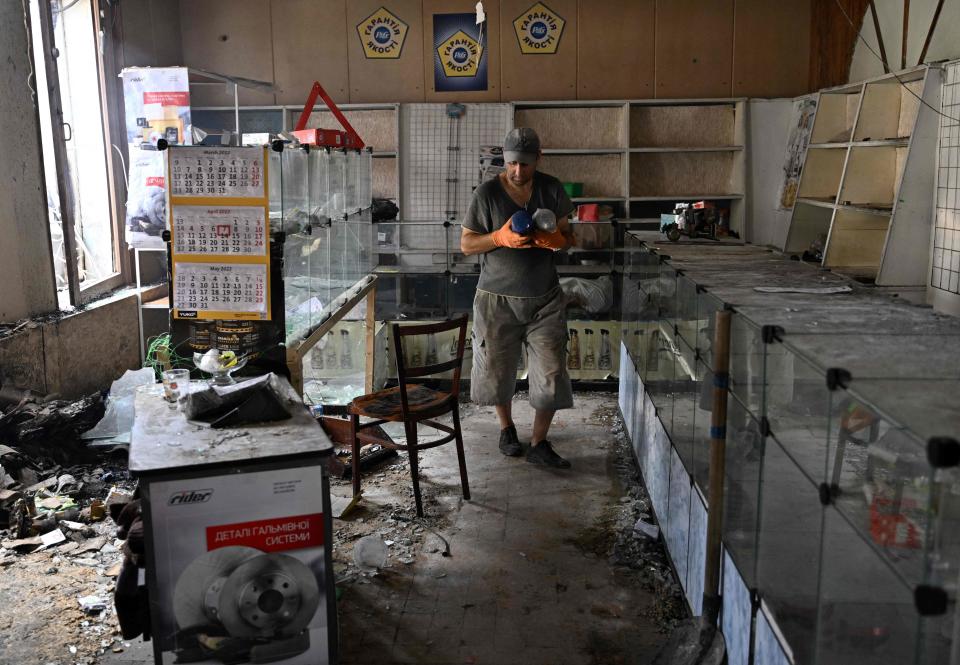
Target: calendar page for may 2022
[(219, 232)]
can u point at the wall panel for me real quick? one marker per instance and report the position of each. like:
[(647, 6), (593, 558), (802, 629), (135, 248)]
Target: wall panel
[(381, 79), (694, 45), (491, 37), (615, 49), (309, 44), (528, 76), (771, 48), (228, 37)]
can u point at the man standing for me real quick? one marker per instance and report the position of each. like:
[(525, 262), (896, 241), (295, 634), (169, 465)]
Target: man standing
[(518, 300)]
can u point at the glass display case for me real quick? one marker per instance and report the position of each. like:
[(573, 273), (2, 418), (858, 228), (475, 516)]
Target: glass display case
[(842, 489), (321, 202)]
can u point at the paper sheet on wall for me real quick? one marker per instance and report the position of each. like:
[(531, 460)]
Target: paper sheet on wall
[(232, 230), (204, 288), (217, 172)]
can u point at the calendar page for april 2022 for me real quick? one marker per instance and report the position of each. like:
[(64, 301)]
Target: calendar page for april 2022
[(219, 232)]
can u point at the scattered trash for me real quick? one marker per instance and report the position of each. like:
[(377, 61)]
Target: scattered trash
[(370, 553), (54, 537), (93, 604), (646, 529)]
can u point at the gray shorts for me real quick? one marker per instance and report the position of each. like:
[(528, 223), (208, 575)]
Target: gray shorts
[(501, 326)]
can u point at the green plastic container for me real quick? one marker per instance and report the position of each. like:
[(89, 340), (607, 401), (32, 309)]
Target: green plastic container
[(573, 189)]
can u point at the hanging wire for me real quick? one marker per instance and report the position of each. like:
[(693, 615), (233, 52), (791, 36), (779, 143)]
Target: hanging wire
[(877, 56), (31, 77), (160, 355)]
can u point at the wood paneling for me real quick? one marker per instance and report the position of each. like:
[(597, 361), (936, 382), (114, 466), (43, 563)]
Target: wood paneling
[(833, 40), (386, 80), (309, 44), (572, 127), (491, 35), (151, 34), (528, 76), (771, 48), (615, 49), (694, 48), (228, 37)]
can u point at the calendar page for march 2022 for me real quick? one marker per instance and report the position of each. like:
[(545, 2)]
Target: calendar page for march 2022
[(219, 212)]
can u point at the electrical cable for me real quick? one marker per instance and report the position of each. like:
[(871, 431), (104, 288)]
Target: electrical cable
[(877, 56), (31, 77), (123, 163)]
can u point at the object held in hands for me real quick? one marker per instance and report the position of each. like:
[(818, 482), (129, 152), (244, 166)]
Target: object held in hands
[(522, 222), (505, 236), (545, 220)]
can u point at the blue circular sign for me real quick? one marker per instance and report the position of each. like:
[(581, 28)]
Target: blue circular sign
[(381, 35), (460, 55), (538, 30)]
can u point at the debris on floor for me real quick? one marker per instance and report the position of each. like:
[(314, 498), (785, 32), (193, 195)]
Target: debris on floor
[(59, 557)]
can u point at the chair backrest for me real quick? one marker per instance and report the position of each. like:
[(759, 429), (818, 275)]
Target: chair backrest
[(405, 372)]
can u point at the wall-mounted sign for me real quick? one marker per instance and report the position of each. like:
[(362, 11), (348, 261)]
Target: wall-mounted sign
[(460, 55), (382, 34), (539, 29), (459, 59)]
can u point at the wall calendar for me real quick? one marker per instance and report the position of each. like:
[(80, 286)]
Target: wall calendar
[(219, 220)]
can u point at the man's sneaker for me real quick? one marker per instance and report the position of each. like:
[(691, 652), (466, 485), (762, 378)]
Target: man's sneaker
[(543, 453), (509, 443)]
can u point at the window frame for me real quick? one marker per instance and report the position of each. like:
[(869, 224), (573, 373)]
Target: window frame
[(104, 29)]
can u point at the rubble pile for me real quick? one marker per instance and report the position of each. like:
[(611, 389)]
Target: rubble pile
[(636, 544), (403, 533), (39, 427), (59, 554)]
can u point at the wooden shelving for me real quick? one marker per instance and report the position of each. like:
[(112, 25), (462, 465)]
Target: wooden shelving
[(865, 191), (645, 152)]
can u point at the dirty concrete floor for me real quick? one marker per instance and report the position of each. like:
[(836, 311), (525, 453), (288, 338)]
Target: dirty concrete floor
[(544, 568)]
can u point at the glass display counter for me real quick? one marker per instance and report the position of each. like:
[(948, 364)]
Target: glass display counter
[(841, 508)]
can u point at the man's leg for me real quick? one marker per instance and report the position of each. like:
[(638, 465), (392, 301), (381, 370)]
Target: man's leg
[(541, 425), (496, 352), (505, 414), (550, 387), (509, 442)]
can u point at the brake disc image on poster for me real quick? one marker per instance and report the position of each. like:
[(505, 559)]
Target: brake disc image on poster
[(241, 568)]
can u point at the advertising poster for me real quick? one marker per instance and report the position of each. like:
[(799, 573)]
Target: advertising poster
[(382, 35), (539, 30), (804, 111), (156, 104), (240, 568), (459, 54)]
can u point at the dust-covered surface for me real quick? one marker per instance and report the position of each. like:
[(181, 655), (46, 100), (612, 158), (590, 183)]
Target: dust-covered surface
[(42, 619), (540, 566), (640, 559)]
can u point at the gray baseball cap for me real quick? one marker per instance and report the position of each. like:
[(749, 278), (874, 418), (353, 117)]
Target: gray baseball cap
[(521, 145)]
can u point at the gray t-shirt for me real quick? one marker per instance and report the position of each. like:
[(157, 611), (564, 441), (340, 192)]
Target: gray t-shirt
[(505, 271)]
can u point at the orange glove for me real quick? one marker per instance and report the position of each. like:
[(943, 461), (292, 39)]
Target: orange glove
[(555, 240), (506, 237)]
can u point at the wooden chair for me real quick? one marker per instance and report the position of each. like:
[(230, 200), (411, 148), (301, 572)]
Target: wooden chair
[(413, 404)]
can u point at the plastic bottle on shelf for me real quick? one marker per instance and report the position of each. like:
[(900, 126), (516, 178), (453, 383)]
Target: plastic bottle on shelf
[(346, 358), (573, 359), (603, 362), (588, 354)]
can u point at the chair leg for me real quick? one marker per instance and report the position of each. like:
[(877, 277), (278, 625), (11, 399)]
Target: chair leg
[(411, 429), (461, 457), (355, 453)]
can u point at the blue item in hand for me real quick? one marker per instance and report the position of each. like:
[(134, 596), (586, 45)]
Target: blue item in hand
[(522, 223)]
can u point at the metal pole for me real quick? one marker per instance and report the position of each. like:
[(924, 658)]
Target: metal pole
[(876, 29), (718, 445), (236, 111)]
